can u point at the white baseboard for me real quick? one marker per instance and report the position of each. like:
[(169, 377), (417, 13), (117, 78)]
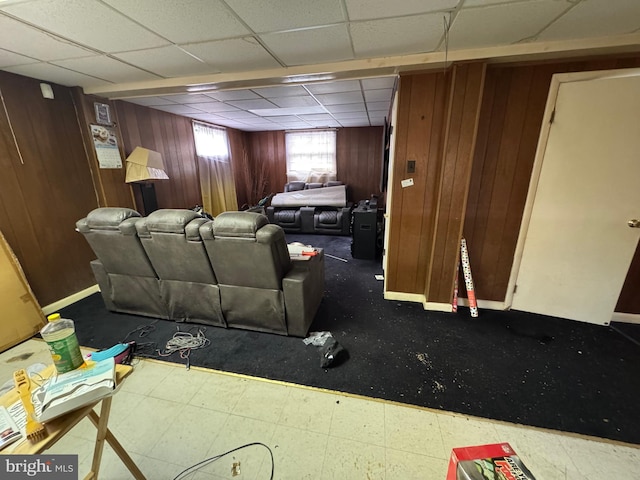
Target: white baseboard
[(65, 302), (405, 297), (486, 304), (625, 317), (438, 307)]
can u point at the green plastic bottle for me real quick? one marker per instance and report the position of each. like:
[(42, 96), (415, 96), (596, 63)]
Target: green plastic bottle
[(60, 335)]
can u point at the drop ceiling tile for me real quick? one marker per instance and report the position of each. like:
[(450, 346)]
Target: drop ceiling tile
[(276, 92), (355, 123), (20, 38), (307, 101), (168, 61), (101, 27), (322, 123), (502, 24), (617, 18), (150, 101), (214, 107), (185, 21), (287, 14), (251, 104), (205, 117), (350, 107), (334, 87), (316, 116), (233, 95), (316, 45), (278, 112), (378, 95), (188, 98), (484, 3), (340, 98), (238, 115), (238, 54), (177, 109), (375, 83), (106, 68), (55, 74), (368, 9), (350, 116), (283, 119), (397, 36), (10, 59), (378, 106)]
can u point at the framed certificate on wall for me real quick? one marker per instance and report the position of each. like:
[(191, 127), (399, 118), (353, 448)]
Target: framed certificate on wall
[(103, 114)]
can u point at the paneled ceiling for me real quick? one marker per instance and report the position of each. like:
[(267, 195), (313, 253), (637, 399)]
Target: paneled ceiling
[(285, 64)]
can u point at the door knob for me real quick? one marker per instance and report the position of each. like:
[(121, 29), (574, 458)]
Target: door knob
[(634, 223)]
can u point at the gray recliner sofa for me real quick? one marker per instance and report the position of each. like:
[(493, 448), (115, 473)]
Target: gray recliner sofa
[(174, 264)]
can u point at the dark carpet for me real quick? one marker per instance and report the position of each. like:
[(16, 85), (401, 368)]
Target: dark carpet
[(510, 366)]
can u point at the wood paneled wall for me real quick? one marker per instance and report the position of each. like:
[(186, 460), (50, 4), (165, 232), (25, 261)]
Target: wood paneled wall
[(46, 189), (171, 136), (267, 153), (510, 122), (418, 136), (109, 183), (359, 161), (465, 98)]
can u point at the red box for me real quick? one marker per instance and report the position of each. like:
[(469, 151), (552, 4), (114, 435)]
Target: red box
[(497, 461)]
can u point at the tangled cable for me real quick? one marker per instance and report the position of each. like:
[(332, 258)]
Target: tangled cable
[(184, 342)]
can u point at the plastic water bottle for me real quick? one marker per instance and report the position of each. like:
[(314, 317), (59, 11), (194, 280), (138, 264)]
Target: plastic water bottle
[(60, 335)]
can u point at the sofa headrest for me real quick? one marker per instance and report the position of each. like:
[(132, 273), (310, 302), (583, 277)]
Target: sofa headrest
[(294, 186), (170, 220), (309, 186), (238, 224), (333, 183), (109, 218)]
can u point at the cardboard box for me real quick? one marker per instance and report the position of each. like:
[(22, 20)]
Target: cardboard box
[(22, 317), (497, 461)]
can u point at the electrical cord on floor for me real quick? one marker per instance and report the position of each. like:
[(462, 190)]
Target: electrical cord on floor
[(209, 460), (184, 342)]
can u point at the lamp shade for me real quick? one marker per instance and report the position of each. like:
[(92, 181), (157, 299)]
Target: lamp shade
[(144, 165)]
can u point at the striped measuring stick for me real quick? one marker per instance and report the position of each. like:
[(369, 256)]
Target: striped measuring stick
[(468, 279)]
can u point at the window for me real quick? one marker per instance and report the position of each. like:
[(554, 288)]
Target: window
[(311, 155), (211, 142)]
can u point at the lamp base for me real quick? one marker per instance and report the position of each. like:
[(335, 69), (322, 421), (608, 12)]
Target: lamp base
[(149, 199)]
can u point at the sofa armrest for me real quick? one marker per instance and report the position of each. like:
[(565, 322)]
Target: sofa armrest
[(303, 290)]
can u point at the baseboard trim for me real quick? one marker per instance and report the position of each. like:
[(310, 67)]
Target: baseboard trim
[(438, 307), (486, 304), (405, 297), (625, 317), (65, 302)]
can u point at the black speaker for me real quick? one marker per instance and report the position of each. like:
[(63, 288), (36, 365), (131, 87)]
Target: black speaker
[(364, 228)]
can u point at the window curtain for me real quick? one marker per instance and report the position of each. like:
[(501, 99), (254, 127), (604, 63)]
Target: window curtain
[(311, 155), (217, 182)]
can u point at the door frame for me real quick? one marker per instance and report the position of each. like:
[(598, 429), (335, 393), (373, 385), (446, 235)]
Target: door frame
[(556, 81)]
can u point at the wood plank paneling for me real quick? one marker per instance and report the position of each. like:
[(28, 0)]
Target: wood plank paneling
[(267, 151), (359, 161), (43, 194), (462, 124), (109, 183), (171, 136), (510, 122), (418, 137)]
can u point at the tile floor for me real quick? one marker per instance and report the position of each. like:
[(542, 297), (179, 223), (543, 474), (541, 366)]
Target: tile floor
[(169, 418)]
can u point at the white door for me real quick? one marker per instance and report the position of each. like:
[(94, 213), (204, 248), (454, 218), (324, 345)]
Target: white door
[(578, 245)]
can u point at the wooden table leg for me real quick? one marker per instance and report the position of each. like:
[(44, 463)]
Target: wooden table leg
[(117, 447)]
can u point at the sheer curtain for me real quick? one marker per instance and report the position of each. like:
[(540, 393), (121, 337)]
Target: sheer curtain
[(216, 173), (311, 155)]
